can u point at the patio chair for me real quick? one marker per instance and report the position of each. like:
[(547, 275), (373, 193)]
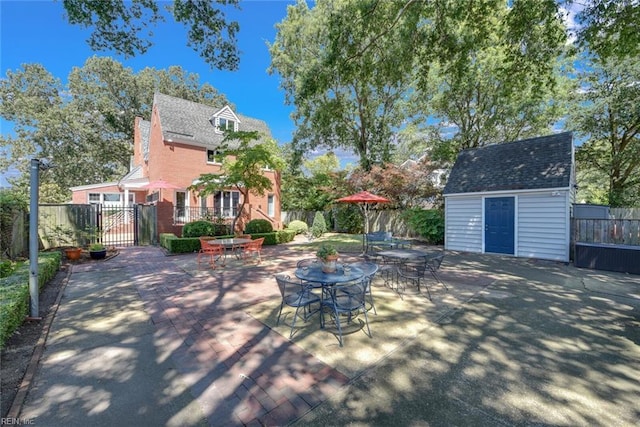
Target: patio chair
[(298, 295), (237, 248), (386, 267), (215, 252), (416, 271), (254, 248), (434, 266), (346, 299), (370, 269), (308, 262)]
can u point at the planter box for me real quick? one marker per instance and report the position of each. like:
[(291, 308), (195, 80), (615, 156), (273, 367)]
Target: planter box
[(608, 257)]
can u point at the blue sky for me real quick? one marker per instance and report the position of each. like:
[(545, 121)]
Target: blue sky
[(37, 32)]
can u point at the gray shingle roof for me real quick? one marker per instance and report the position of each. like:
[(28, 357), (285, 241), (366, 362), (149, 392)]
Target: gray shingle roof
[(536, 163), (189, 123)]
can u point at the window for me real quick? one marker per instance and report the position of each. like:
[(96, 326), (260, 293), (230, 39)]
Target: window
[(225, 203), (153, 197), (226, 124), (94, 198), (203, 207), (181, 204), (112, 197), (271, 206), (214, 156)]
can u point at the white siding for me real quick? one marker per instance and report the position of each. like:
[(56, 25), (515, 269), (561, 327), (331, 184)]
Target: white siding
[(463, 223), (543, 226)]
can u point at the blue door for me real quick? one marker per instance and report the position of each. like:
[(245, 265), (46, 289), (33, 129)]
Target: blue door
[(499, 225)]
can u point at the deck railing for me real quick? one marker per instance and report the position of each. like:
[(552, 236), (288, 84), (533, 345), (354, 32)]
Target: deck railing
[(183, 216)]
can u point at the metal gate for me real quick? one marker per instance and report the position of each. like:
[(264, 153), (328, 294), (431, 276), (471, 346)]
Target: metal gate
[(111, 225), (128, 226)]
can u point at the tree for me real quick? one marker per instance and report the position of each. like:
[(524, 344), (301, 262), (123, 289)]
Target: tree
[(607, 117), (347, 88), (360, 72), (118, 24), (492, 73), (242, 168), (610, 28), (404, 186), (86, 127)]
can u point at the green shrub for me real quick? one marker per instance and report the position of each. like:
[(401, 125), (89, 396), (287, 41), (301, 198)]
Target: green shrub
[(14, 291), (269, 238), (285, 236), (7, 267), (319, 226), (198, 228), (183, 245), (427, 223), (349, 219), (298, 226), (257, 226), (164, 239)]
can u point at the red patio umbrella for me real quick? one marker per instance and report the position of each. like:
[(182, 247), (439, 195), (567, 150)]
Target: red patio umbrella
[(364, 198)]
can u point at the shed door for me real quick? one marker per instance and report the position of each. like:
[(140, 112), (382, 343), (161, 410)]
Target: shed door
[(499, 225)]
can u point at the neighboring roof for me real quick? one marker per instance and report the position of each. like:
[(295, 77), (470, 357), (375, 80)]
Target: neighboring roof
[(536, 163), (135, 173), (93, 186), (188, 122)]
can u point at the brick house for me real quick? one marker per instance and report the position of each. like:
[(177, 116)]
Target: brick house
[(170, 152)]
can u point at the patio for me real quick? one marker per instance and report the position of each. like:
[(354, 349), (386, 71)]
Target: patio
[(512, 342)]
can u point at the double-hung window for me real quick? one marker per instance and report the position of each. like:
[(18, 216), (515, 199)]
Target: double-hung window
[(271, 205)]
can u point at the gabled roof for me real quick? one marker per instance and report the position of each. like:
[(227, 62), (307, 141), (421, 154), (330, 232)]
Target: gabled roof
[(536, 163), (188, 122)]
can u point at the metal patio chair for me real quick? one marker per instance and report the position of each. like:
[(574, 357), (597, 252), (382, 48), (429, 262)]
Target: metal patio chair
[(346, 300), (298, 295)]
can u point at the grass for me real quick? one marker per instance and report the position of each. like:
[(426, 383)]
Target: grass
[(343, 242)]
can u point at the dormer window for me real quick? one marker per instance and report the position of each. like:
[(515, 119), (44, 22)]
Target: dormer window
[(225, 120), (226, 124)]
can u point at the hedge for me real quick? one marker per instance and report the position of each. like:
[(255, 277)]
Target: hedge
[(14, 292), (182, 245)]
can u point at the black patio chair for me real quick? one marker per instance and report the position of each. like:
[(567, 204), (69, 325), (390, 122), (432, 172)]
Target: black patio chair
[(415, 271), (434, 266), (298, 295), (345, 300), (370, 269)]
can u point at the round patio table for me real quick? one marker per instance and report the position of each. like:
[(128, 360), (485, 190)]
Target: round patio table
[(315, 274), (229, 243)]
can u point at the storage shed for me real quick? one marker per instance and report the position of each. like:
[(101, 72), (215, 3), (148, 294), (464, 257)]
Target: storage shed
[(512, 198)]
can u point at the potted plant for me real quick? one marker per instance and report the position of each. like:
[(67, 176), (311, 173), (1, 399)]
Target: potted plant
[(97, 251), (328, 255), (64, 235)]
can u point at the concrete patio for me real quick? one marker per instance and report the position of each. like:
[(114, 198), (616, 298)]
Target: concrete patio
[(149, 339)]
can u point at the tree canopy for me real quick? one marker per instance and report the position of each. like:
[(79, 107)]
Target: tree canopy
[(607, 117), (85, 128), (126, 26), (242, 168), (348, 89)]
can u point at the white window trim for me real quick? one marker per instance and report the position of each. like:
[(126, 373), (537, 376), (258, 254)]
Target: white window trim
[(215, 154)]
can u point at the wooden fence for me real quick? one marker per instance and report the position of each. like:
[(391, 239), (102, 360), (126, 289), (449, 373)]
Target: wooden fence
[(384, 220), (613, 231)]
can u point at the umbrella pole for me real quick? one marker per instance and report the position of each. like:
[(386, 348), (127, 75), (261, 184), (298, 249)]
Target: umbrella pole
[(365, 229)]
